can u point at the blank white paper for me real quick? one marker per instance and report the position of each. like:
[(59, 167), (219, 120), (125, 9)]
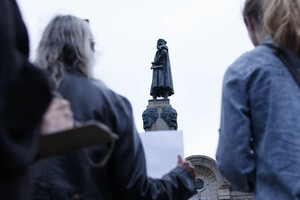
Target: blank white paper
[(161, 150)]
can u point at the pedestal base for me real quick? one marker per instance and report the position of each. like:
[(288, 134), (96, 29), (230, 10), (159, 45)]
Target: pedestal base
[(159, 115)]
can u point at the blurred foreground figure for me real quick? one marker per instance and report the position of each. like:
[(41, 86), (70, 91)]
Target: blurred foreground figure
[(24, 97), (259, 144), (66, 50)]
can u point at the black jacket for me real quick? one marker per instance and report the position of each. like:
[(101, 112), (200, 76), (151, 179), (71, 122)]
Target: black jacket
[(124, 176), (24, 97)]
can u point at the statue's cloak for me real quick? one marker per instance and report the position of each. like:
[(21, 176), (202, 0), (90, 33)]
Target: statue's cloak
[(162, 76)]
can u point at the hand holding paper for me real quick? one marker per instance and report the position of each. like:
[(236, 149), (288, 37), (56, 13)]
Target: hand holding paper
[(187, 166)]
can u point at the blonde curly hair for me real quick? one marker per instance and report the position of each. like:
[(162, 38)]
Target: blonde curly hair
[(67, 41)]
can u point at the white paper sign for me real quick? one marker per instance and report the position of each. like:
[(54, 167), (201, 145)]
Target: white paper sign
[(161, 150)]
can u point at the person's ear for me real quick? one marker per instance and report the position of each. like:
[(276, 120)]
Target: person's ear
[(249, 23), (252, 28), (93, 46)]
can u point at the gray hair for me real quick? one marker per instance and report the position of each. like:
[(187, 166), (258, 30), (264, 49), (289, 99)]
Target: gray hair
[(66, 42)]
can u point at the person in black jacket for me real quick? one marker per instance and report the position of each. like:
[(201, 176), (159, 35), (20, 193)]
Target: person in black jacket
[(66, 50), (24, 97)]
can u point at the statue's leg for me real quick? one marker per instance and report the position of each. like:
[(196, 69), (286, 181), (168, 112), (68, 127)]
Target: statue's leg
[(166, 94), (155, 93)]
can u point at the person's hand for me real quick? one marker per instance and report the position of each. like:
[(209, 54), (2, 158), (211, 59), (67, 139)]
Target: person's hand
[(58, 117), (187, 166)]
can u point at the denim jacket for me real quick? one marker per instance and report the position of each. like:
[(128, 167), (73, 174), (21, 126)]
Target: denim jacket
[(259, 142)]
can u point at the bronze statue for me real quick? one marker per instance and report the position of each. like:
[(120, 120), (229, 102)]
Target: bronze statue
[(162, 84)]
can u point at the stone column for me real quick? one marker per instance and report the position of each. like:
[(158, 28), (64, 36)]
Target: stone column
[(159, 115)]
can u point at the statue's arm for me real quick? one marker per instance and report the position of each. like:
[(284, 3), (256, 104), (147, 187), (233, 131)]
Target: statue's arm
[(162, 55), (155, 66)]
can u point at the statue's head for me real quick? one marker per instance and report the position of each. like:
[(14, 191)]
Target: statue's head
[(161, 42)]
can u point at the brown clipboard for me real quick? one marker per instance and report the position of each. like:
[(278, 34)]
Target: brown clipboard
[(86, 135)]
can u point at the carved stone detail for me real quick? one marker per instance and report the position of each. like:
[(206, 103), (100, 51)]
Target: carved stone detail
[(169, 115), (150, 116)]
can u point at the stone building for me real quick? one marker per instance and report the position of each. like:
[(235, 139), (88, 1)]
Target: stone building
[(210, 183)]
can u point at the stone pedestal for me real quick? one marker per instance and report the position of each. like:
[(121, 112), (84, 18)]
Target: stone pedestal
[(159, 115)]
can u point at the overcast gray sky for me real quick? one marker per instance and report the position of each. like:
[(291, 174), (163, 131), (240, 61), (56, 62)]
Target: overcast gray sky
[(204, 37)]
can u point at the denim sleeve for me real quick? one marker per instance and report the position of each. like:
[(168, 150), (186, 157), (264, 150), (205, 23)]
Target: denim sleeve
[(235, 157)]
